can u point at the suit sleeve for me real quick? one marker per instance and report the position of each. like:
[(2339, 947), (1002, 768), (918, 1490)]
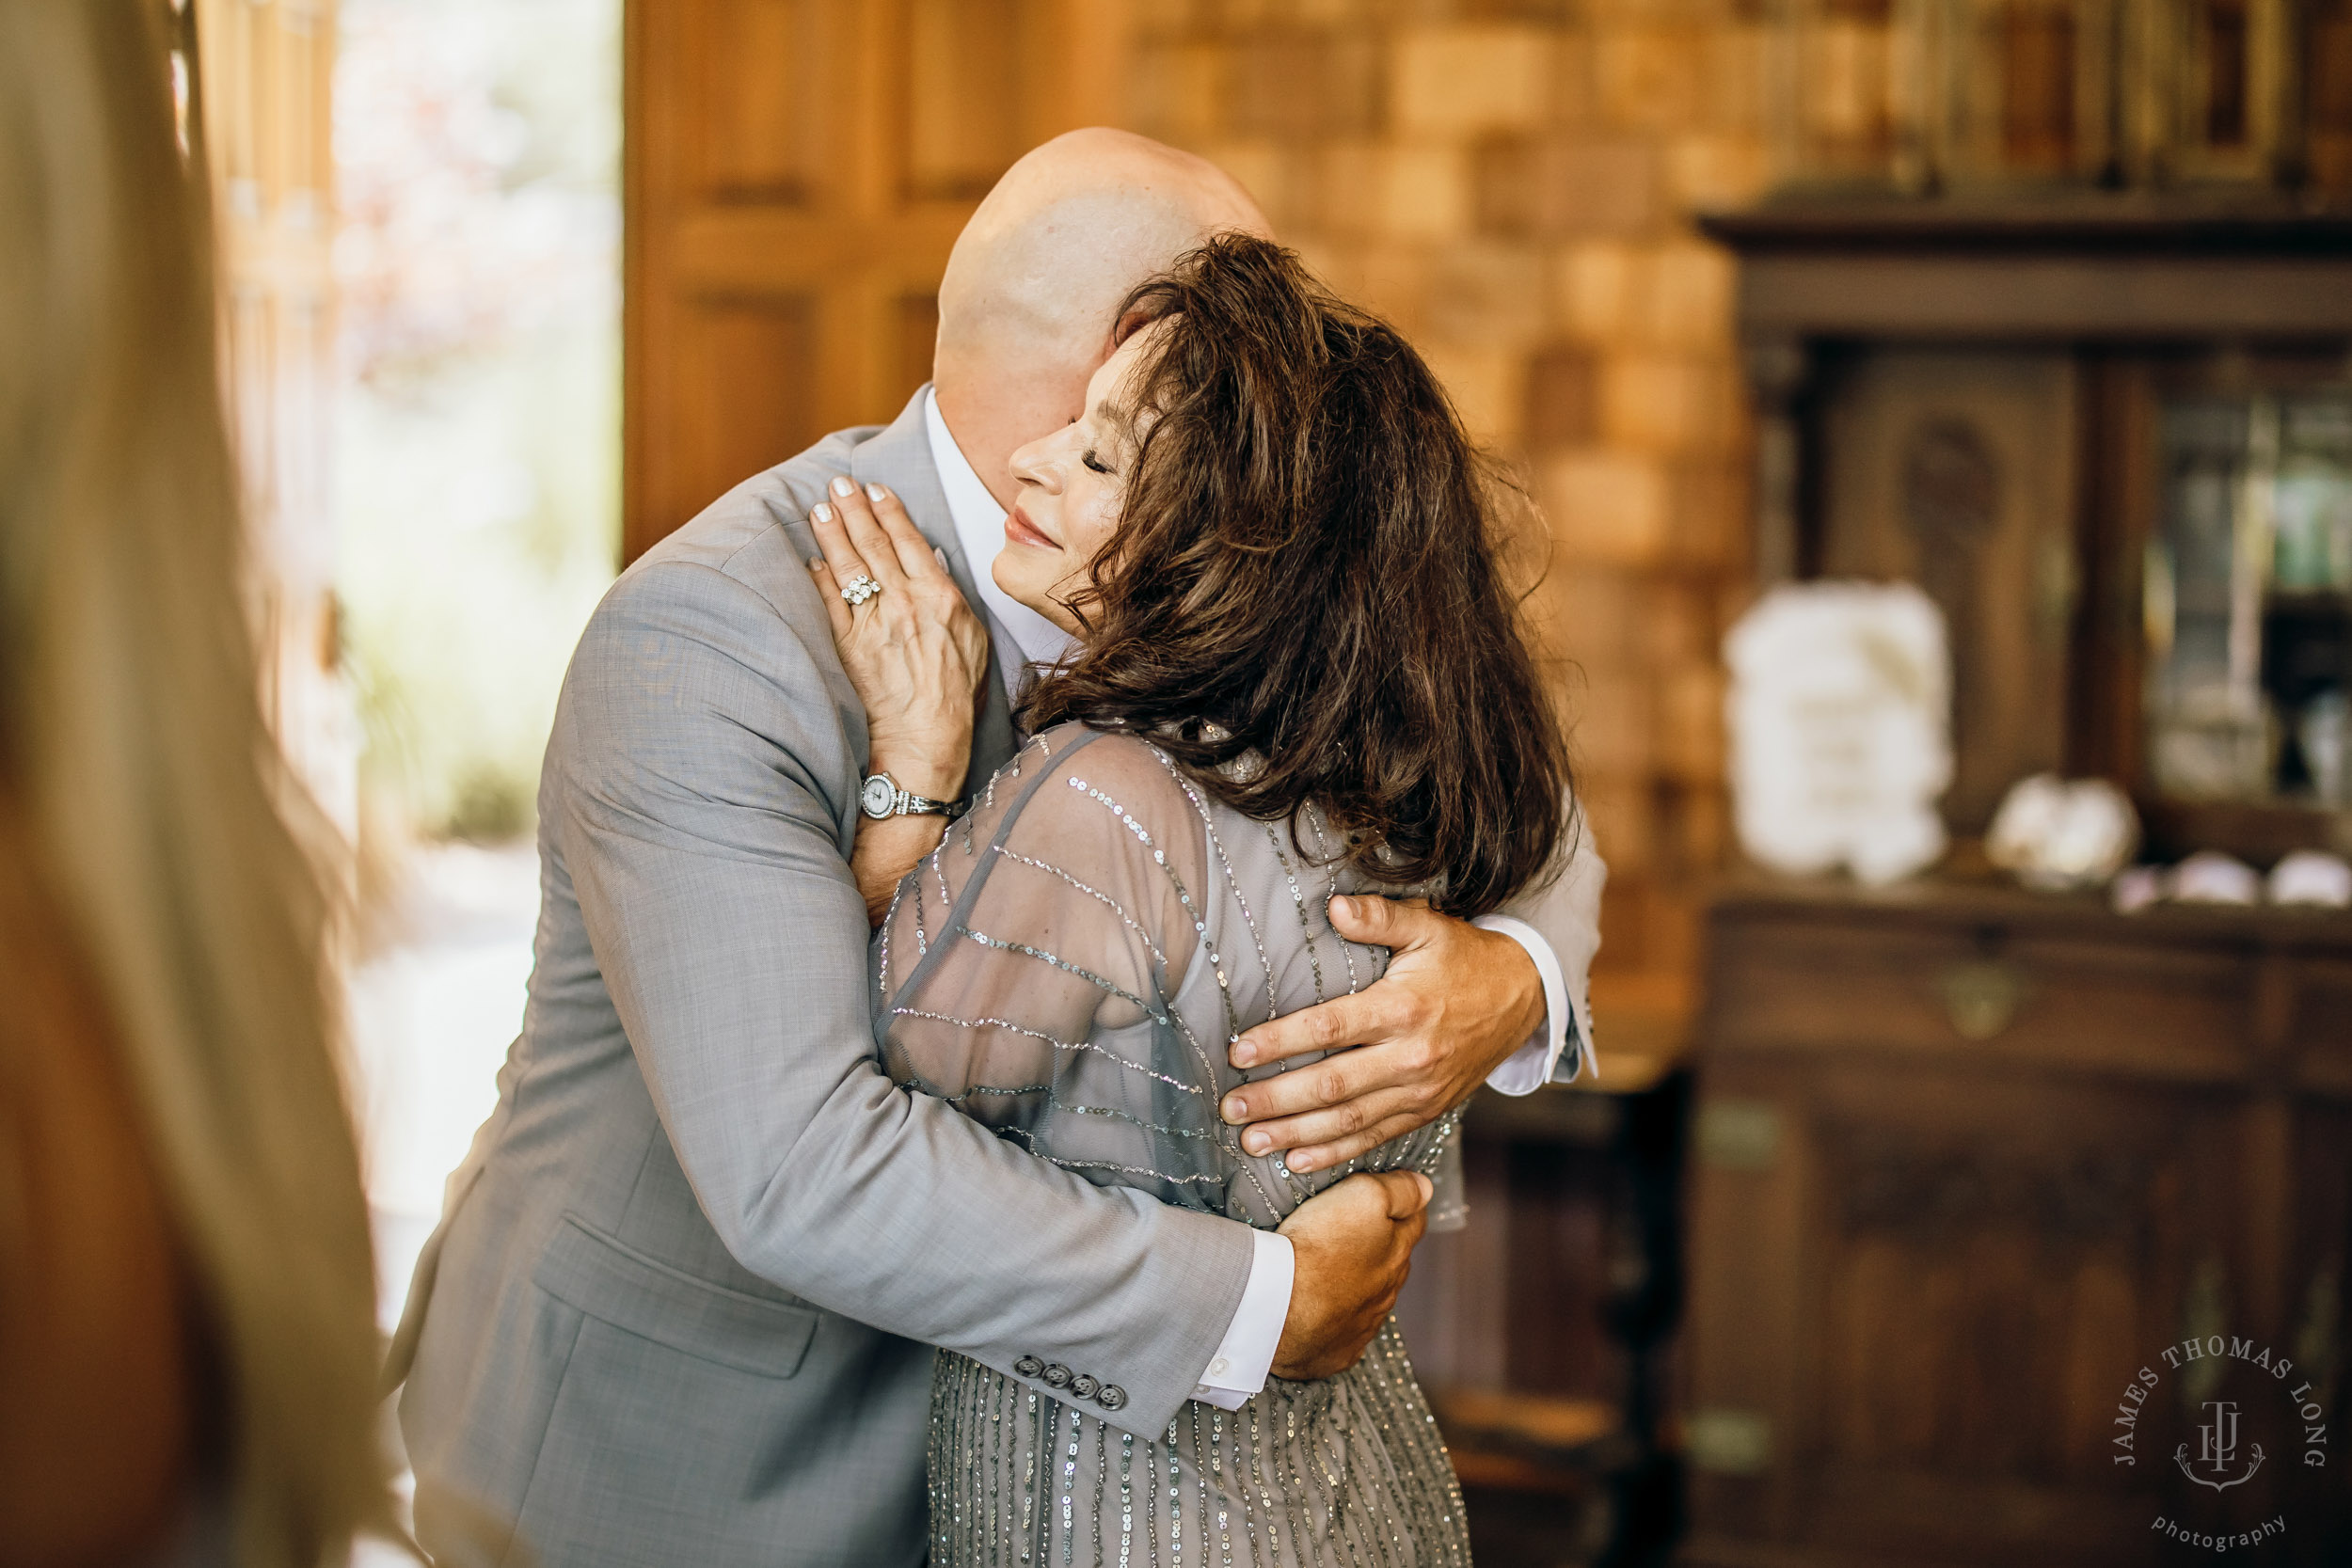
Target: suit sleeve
[(1565, 914), (700, 749)]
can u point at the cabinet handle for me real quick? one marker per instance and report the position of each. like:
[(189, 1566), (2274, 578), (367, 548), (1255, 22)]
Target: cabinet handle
[(1982, 999)]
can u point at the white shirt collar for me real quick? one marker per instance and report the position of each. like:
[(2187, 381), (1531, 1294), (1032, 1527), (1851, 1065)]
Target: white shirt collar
[(981, 529)]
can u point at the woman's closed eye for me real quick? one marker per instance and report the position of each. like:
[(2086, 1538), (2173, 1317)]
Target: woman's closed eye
[(1094, 462)]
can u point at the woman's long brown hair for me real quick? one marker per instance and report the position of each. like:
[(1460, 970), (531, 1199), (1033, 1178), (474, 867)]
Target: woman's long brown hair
[(1306, 569)]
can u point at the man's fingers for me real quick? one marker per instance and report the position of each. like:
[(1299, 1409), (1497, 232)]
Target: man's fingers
[(1275, 1126), (1321, 1085), (1379, 922), (1332, 1025), (1307, 1156), (1406, 1192)]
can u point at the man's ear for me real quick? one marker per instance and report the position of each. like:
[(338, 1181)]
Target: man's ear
[(1135, 320)]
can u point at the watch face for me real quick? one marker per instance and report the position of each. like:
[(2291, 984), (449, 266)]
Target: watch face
[(878, 796)]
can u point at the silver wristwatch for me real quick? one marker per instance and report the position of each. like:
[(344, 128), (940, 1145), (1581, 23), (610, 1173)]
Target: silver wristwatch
[(882, 796)]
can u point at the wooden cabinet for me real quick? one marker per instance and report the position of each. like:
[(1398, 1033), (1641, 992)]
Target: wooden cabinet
[(1965, 1160)]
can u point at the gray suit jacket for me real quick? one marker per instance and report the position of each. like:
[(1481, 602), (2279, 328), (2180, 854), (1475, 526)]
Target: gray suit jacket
[(680, 1306)]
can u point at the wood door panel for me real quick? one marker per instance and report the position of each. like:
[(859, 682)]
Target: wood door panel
[(751, 402), (796, 174), (963, 105), (765, 140)]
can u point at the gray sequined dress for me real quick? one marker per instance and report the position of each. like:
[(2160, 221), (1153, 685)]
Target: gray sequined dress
[(1068, 968)]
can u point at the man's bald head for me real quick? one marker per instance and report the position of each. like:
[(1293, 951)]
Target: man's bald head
[(1025, 309)]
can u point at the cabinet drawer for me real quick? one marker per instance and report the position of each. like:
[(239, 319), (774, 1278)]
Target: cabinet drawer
[(1804, 982)]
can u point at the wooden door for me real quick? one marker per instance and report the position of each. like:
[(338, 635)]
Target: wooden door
[(795, 174), (261, 88)]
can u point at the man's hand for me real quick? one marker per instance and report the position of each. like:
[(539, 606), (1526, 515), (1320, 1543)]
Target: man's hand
[(1455, 1003), (1352, 1245)]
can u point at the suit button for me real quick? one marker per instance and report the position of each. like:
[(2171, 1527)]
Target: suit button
[(1057, 1375), (1084, 1386), (1028, 1366), (1112, 1397)]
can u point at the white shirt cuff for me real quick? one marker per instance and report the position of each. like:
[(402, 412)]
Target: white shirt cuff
[(1239, 1367), (1530, 1066)]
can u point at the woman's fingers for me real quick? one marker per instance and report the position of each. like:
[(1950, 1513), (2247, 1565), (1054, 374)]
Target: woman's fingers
[(836, 607), (915, 556), (847, 563), (866, 535)]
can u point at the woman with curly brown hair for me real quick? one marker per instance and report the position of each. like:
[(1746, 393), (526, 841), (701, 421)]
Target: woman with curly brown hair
[(1297, 674)]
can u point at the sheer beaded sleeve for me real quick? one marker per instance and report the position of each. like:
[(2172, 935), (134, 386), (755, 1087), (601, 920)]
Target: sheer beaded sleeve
[(1028, 967)]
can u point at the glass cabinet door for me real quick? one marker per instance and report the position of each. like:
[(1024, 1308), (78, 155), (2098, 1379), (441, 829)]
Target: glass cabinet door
[(2248, 601)]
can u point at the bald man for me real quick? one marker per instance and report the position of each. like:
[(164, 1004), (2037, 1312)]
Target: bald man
[(681, 1306)]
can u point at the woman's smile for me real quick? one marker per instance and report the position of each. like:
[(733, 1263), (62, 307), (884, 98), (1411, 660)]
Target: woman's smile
[(1020, 531)]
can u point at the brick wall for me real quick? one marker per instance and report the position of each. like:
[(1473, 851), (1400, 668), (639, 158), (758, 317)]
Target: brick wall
[(1512, 184)]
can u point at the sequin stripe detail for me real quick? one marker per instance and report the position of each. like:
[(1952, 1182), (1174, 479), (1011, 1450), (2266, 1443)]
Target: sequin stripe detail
[(959, 914), (1026, 1538), (1306, 1540), (939, 1462), (1200, 1485), (1054, 1099), (1109, 1113), (1067, 1464), (1155, 1011), (1435, 1496), (1103, 898), (1039, 1035), (962, 1479), (999, 1496), (1233, 883), (1298, 903), (890, 918), (1127, 1500), (1159, 858), (1257, 1499), (1228, 1138)]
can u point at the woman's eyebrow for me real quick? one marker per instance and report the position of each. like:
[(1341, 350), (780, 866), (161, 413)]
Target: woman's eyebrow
[(1118, 419)]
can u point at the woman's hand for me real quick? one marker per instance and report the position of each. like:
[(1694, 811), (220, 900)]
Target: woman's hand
[(914, 651)]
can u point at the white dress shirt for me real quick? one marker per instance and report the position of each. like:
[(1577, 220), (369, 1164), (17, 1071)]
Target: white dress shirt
[(1238, 1369)]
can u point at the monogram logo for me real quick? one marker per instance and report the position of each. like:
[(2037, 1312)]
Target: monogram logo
[(2217, 1449)]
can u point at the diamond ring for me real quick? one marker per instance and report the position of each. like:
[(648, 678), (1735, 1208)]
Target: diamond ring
[(859, 589)]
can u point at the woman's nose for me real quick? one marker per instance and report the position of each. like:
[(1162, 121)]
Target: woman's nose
[(1030, 466)]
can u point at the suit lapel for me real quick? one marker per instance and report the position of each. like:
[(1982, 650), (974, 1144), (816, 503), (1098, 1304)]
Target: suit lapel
[(900, 457)]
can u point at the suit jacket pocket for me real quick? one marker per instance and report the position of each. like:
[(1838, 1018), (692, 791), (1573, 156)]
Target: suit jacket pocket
[(586, 1269)]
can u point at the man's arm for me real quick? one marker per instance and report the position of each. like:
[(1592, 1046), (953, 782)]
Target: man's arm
[(1458, 1004), (1559, 925), (701, 744), (697, 754)]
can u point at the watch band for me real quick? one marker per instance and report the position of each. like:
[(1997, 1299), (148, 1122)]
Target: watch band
[(882, 796)]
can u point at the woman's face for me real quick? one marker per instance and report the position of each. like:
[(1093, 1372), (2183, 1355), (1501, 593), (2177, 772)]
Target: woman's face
[(1072, 484)]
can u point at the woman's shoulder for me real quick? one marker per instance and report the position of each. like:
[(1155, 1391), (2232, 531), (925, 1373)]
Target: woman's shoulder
[(1078, 786), (1114, 767)]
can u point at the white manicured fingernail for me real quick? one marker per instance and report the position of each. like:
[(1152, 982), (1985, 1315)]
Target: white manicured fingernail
[(823, 512), (841, 485), (876, 493), (938, 554)]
